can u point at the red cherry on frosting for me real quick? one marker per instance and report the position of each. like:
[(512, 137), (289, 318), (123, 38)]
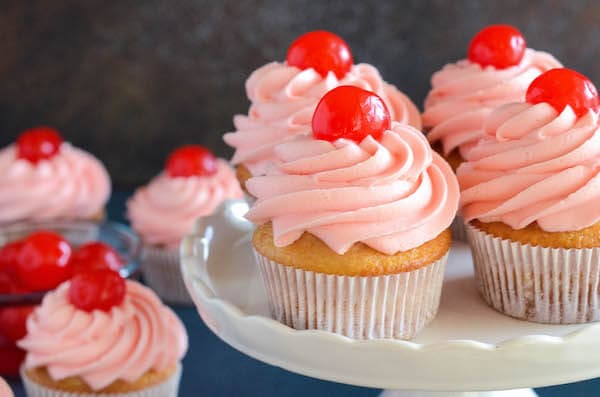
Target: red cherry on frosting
[(191, 160), (96, 255), (99, 289), (38, 143), (321, 50), (500, 46), (44, 261), (351, 113), (561, 87)]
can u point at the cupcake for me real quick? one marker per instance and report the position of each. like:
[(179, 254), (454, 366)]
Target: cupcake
[(352, 233), (284, 95), (193, 184), (530, 192), (99, 335), (43, 178), (498, 70)]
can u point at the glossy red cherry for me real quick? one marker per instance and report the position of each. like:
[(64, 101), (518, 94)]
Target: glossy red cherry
[(44, 261), (500, 46), (13, 321), (321, 50), (98, 289), (191, 160), (96, 255), (38, 143), (351, 113), (561, 87)]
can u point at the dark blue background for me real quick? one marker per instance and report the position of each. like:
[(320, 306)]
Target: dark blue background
[(212, 368)]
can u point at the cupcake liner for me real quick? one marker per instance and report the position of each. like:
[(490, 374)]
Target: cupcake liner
[(160, 268), (390, 306), (168, 388), (459, 232), (545, 285)]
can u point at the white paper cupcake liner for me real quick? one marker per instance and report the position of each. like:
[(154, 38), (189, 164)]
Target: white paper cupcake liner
[(392, 306), (546, 285), (160, 268), (168, 388), (459, 232)]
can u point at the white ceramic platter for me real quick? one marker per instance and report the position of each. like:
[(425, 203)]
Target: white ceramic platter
[(467, 347)]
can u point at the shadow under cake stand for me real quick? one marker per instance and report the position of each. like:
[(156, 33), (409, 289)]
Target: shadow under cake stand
[(468, 350)]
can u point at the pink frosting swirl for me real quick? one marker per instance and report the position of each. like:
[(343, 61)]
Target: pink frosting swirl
[(166, 209), (535, 165), (71, 185), (393, 195), (101, 347), (283, 102), (463, 94)]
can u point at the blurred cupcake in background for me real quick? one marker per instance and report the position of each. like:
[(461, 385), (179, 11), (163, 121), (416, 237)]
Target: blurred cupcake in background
[(193, 184), (43, 178), (352, 232), (284, 95), (531, 195), (99, 335), (498, 70)]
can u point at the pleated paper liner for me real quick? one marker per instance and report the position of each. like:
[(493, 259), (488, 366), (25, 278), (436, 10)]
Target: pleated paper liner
[(459, 232), (392, 306), (168, 388), (545, 285), (160, 268)]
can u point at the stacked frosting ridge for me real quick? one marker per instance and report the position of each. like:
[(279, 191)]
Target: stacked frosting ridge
[(464, 94), (392, 194), (101, 347), (535, 165), (283, 99), (72, 184), (166, 209)]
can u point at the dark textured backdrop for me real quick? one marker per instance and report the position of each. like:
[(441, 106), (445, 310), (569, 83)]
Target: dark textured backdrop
[(130, 80)]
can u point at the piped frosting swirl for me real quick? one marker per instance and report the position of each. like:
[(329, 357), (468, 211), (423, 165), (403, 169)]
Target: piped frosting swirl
[(463, 95), (392, 195), (101, 347), (283, 99), (534, 165)]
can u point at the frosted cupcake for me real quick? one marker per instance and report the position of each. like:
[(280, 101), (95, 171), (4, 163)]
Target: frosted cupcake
[(100, 335), (530, 194), (193, 184), (498, 70), (353, 222), (43, 178), (284, 95)]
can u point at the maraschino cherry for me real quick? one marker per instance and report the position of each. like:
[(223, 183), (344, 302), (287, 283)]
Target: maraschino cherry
[(352, 113), (99, 289), (38, 143), (96, 255), (191, 160), (500, 46), (321, 50), (44, 261), (561, 87)]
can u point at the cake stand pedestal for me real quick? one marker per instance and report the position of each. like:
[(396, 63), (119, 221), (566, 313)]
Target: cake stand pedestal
[(467, 350)]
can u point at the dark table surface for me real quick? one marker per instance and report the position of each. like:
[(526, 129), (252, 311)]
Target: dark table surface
[(212, 368)]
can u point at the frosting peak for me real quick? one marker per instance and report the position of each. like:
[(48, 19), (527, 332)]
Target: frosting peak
[(534, 165), (166, 209), (464, 94), (101, 347), (283, 101), (392, 195), (72, 184)]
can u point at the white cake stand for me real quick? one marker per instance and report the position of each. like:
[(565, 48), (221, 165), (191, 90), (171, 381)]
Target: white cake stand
[(468, 350)]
